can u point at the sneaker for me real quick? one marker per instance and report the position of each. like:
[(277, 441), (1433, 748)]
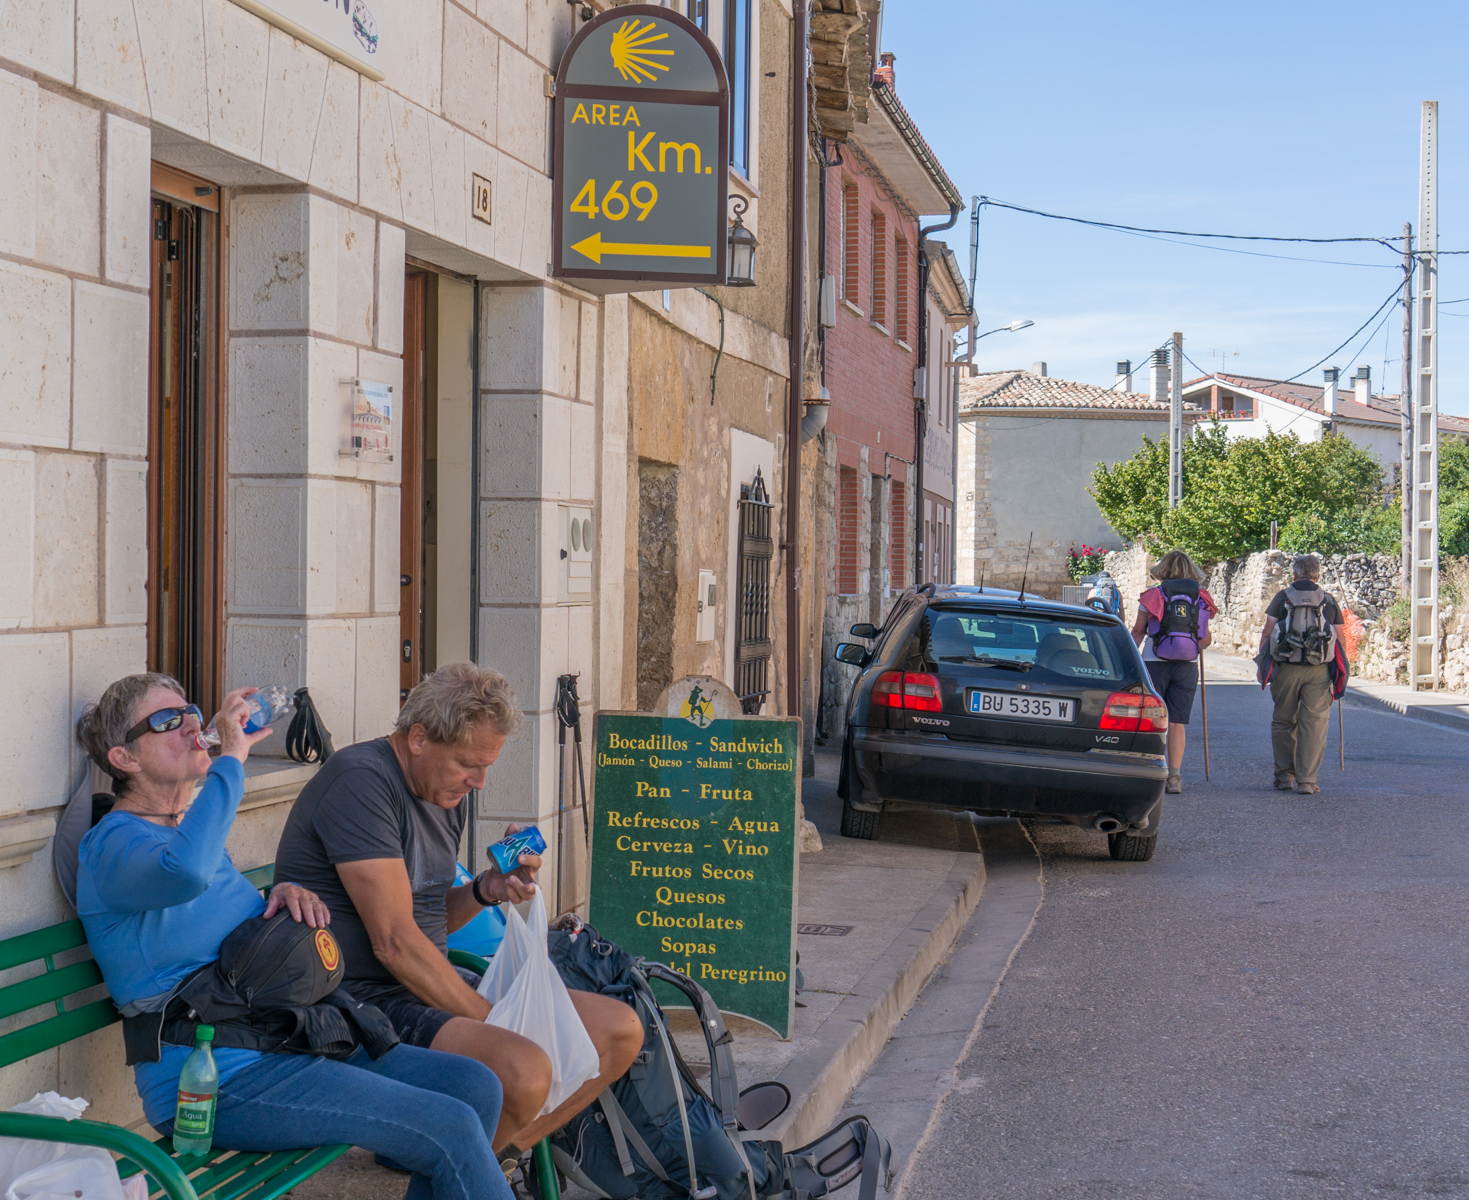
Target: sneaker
[(1174, 785), (1307, 789), (1287, 784)]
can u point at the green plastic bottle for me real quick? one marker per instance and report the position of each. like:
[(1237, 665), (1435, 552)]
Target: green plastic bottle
[(193, 1124)]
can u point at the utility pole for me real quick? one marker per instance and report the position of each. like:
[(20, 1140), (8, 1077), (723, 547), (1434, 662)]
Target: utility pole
[(1405, 406), (1423, 627), (1175, 424)]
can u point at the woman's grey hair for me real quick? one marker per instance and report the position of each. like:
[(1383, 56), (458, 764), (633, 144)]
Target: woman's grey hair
[(451, 701), (1306, 566), (105, 724)]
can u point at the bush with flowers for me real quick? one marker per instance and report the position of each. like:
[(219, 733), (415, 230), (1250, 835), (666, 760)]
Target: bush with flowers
[(1086, 561)]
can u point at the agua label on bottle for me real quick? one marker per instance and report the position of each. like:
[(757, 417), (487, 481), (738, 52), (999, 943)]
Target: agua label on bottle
[(195, 1116)]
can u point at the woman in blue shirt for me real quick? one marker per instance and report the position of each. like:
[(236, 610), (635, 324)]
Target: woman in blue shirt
[(157, 893)]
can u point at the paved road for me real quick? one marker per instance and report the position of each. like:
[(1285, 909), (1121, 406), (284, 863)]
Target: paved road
[(1274, 1007)]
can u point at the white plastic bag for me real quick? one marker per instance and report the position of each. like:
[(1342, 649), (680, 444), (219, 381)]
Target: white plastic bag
[(529, 998), (38, 1170)]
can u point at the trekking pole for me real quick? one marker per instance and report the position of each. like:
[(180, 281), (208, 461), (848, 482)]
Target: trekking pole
[(568, 716), (1341, 736), (560, 807), (1204, 700)]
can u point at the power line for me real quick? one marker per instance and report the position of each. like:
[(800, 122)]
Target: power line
[(1325, 262), (1238, 237), (1393, 297)]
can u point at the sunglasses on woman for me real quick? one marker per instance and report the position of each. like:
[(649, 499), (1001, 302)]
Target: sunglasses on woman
[(165, 720)]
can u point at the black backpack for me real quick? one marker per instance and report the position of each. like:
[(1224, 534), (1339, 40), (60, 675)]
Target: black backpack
[(658, 1135)]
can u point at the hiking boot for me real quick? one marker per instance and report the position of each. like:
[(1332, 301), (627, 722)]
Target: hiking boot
[(1307, 789), (1288, 784), (1175, 783)]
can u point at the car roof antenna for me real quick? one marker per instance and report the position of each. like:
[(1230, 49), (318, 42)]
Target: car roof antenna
[(1026, 572), (981, 581)]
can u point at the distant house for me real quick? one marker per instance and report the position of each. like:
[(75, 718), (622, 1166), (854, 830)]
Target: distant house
[(1250, 406), (1027, 447)]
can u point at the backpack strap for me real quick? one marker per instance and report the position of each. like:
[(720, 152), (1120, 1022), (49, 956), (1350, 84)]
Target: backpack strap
[(678, 1087), (722, 1079), (623, 1131)]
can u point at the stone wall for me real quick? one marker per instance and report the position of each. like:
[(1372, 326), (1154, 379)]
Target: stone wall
[(1365, 584), (1244, 586)]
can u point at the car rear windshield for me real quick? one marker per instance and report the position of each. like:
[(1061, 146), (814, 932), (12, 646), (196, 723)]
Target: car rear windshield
[(1079, 651)]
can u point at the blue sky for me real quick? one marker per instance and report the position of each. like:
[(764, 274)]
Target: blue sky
[(1286, 118)]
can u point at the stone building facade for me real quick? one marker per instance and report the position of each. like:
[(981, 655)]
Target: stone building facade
[(220, 247)]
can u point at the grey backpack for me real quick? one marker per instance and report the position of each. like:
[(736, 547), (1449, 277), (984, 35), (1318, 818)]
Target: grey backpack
[(1303, 634), (657, 1134)]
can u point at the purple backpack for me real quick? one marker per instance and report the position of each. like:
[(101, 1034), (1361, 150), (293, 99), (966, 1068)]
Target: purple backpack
[(1176, 636)]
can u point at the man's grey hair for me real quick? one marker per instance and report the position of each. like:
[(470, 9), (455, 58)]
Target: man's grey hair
[(105, 724), (454, 699), (1306, 566)]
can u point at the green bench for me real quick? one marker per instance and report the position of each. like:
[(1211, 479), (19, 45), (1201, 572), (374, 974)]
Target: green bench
[(81, 1006)]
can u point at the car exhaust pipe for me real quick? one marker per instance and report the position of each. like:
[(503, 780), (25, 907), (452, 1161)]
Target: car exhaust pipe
[(1107, 823)]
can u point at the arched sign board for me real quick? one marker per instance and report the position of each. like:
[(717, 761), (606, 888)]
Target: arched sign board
[(642, 153)]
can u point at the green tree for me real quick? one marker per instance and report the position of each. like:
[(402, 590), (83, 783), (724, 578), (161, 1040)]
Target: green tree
[(1234, 488), (1453, 496)]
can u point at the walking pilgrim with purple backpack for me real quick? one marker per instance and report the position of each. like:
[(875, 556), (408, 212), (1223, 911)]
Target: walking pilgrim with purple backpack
[(1172, 629)]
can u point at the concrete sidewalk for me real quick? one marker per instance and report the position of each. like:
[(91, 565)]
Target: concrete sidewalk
[(902, 900), (1440, 708)]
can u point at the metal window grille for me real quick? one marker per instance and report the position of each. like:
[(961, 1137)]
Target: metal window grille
[(848, 519), (898, 537), (757, 549)]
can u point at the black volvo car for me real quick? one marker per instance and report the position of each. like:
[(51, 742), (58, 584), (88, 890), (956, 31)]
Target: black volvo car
[(1004, 704)]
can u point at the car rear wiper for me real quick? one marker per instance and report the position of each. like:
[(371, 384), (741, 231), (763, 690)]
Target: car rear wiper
[(986, 660)]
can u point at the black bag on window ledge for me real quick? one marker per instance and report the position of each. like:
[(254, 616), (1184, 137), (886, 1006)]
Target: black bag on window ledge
[(307, 739)]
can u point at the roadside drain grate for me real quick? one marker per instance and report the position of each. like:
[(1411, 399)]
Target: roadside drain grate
[(826, 930)]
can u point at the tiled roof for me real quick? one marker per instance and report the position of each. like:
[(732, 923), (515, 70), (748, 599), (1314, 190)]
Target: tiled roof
[(1021, 389), (1382, 410)]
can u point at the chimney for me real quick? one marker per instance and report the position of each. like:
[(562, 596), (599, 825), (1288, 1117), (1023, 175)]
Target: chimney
[(1158, 379), (1329, 399), (884, 73), (1362, 385), (1038, 368), (1124, 376)]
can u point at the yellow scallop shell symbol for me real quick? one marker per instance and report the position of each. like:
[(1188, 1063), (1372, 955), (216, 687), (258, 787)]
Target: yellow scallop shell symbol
[(630, 53)]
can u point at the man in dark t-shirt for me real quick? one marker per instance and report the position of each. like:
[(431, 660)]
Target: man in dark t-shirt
[(376, 834), (1301, 690)]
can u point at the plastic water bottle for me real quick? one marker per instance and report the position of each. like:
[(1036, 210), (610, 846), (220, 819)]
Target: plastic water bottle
[(193, 1123), (267, 706)]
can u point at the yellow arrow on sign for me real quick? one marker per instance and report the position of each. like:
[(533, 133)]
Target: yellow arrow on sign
[(594, 247)]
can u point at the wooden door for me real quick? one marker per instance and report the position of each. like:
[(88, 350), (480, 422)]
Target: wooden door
[(411, 525)]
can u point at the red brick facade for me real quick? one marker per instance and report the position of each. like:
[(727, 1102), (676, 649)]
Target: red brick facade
[(868, 372)]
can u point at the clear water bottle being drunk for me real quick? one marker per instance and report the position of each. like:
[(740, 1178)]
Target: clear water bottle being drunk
[(267, 706), (193, 1122)]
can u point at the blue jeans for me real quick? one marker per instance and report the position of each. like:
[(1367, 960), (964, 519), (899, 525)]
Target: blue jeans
[(432, 1113)]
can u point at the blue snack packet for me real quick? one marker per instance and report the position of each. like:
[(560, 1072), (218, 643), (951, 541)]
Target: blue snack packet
[(507, 851)]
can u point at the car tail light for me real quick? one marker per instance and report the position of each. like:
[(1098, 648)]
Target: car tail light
[(1134, 712), (888, 690), (921, 692), (907, 689)]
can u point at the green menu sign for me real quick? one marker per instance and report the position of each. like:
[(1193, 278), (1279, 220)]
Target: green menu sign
[(694, 852)]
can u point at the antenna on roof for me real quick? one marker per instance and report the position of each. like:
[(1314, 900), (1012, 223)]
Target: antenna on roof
[(981, 581), (1025, 573)]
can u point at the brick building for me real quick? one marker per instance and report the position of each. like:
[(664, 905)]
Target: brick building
[(872, 192)]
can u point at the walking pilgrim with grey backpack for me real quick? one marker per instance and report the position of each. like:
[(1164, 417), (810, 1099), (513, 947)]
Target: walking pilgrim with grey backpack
[(1172, 630), (1303, 658)]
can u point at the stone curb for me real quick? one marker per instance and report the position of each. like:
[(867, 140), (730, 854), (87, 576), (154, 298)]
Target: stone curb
[(1358, 696), (849, 1041)]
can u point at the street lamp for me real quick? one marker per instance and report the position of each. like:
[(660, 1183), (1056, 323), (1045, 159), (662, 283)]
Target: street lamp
[(742, 243), (1013, 327)]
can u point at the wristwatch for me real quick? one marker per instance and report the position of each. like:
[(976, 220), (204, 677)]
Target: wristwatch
[(479, 899)]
